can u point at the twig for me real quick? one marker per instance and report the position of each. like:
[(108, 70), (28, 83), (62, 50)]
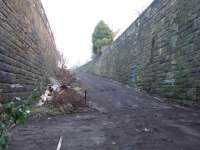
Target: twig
[(85, 96), (59, 143)]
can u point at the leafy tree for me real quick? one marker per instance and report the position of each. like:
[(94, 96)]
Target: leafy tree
[(102, 36)]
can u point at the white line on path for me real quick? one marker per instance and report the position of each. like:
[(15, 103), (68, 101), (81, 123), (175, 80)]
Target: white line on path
[(60, 143)]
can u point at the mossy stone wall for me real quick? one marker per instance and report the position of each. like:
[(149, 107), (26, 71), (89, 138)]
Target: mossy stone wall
[(159, 52), (27, 49)]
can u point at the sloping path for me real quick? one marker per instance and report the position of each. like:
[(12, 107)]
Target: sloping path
[(125, 120)]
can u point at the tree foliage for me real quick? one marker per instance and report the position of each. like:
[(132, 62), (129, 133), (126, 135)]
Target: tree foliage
[(101, 37), (11, 113)]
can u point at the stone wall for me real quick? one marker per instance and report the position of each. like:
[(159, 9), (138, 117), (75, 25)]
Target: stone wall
[(159, 52), (27, 49)]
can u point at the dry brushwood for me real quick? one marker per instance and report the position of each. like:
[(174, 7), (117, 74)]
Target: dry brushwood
[(67, 99), (63, 74), (66, 77)]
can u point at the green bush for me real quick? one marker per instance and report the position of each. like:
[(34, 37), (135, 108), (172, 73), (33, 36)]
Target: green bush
[(101, 37), (35, 95), (11, 113)]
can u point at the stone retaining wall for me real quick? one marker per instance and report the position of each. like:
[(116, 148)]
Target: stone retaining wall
[(159, 52), (27, 48)]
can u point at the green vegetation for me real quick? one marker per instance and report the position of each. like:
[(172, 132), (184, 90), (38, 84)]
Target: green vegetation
[(102, 36), (11, 113), (35, 97), (15, 112)]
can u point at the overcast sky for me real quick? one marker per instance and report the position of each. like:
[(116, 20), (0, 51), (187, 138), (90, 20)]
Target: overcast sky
[(73, 22)]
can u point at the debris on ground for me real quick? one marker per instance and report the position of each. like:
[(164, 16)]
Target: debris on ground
[(66, 100), (69, 95), (146, 130), (63, 96), (114, 143), (47, 96)]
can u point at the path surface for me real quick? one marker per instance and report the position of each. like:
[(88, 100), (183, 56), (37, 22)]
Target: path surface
[(125, 120)]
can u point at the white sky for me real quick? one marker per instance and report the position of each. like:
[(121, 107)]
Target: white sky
[(73, 22)]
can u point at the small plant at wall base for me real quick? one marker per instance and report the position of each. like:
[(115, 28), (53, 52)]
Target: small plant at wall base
[(34, 98), (11, 113), (101, 37)]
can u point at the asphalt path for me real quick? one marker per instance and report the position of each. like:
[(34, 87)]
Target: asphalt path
[(125, 119)]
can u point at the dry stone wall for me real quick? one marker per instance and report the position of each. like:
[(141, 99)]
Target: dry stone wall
[(159, 52), (27, 48)]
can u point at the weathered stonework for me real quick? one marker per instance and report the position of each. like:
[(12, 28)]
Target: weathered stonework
[(27, 48), (159, 52)]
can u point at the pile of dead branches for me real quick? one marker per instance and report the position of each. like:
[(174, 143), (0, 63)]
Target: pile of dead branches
[(66, 99), (63, 74)]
